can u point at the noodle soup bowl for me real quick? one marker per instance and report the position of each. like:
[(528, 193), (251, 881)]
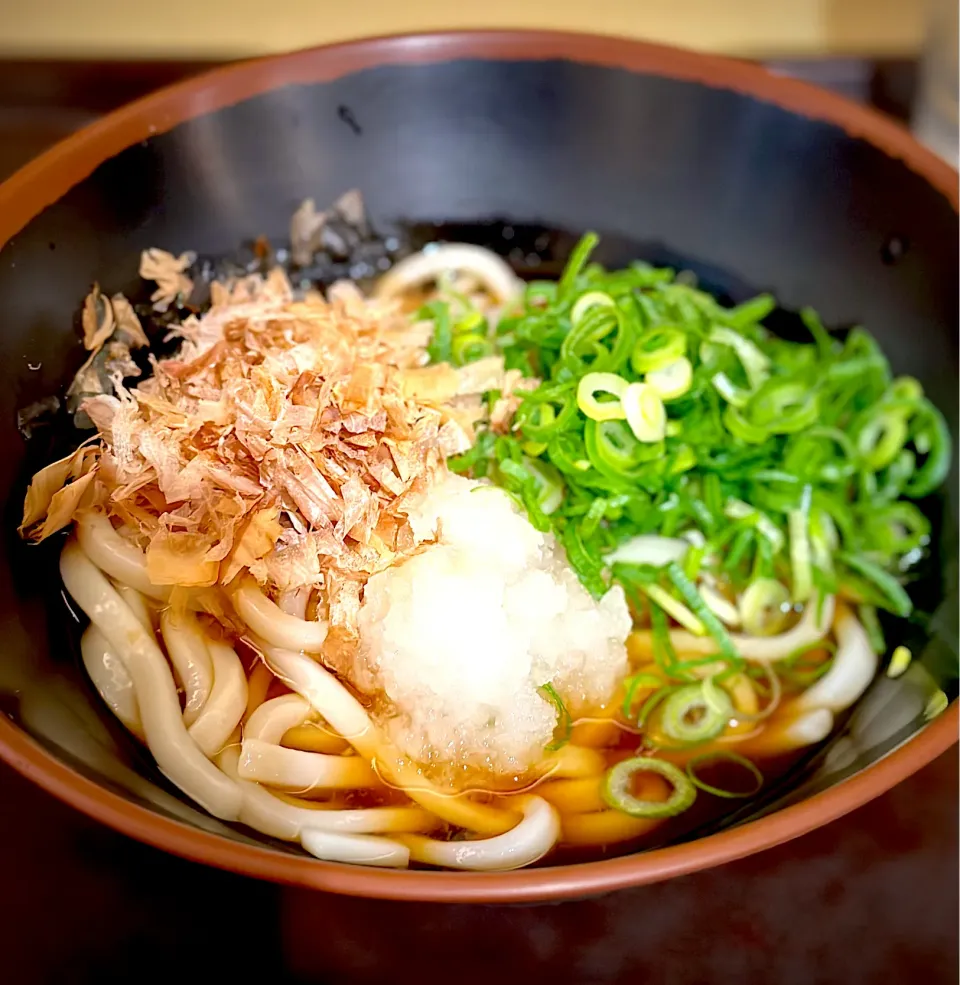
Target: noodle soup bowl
[(752, 181)]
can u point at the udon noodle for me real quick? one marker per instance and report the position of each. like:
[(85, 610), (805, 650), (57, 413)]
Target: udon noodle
[(346, 575)]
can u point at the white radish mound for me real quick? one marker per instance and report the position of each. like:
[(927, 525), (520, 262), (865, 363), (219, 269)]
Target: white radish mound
[(462, 637)]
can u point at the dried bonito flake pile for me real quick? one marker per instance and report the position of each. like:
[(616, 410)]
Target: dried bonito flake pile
[(283, 441)]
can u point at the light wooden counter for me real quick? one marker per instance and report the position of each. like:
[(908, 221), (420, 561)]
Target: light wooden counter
[(202, 29)]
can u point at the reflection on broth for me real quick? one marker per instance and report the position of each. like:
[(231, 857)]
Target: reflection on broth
[(450, 569)]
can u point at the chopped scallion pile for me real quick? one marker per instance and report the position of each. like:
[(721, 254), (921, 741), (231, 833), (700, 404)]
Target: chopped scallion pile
[(662, 412)]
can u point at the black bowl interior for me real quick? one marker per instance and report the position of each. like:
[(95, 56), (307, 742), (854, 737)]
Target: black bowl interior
[(749, 196)]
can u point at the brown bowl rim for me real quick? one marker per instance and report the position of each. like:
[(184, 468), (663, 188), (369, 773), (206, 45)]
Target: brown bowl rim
[(51, 175)]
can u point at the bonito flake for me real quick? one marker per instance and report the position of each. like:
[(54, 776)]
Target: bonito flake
[(282, 441)]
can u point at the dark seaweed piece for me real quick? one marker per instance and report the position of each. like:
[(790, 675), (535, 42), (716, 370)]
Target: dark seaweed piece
[(39, 414)]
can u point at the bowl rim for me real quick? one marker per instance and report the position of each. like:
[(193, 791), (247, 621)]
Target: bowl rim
[(47, 178)]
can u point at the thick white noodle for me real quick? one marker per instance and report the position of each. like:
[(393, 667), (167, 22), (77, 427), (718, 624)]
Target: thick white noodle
[(347, 716), (571, 762), (176, 754), (322, 690), (187, 648), (272, 624), (264, 812), (138, 605), (110, 678), (117, 557), (274, 718), (523, 844), (853, 668), (413, 271), (807, 631), (356, 849), (294, 602), (297, 771), (805, 730), (227, 702)]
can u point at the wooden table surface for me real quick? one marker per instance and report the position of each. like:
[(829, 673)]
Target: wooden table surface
[(241, 28), (868, 900)]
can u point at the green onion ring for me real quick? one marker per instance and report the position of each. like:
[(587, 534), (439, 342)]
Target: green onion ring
[(689, 698), (723, 754), (616, 788), (657, 347), (634, 684)]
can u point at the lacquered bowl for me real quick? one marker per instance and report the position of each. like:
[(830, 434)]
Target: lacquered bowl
[(754, 181)]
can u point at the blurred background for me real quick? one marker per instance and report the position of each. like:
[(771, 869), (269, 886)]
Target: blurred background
[(62, 62), (871, 898)]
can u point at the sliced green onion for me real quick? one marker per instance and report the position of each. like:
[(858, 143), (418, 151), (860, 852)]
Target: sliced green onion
[(647, 708), (609, 383), (935, 706), (880, 436), (658, 347), (698, 607), (576, 263), (565, 724), (818, 447), (713, 494), (468, 347), (799, 527), (593, 517), (820, 335), (588, 569), (636, 683), (725, 611), (794, 670), (584, 348), (687, 715), (814, 453), (932, 437), (663, 651), (568, 454), (614, 450), (906, 388), (784, 407), (617, 794), (738, 510), (740, 427), (898, 601), (645, 412), (672, 380), (684, 459), (872, 627), (440, 347), (730, 392), (823, 539), (727, 756), (518, 480), (649, 549), (750, 312), (549, 484), (899, 662), (755, 364), (896, 529), (537, 416), (716, 698), (471, 322), (591, 299), (676, 610), (764, 607)]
